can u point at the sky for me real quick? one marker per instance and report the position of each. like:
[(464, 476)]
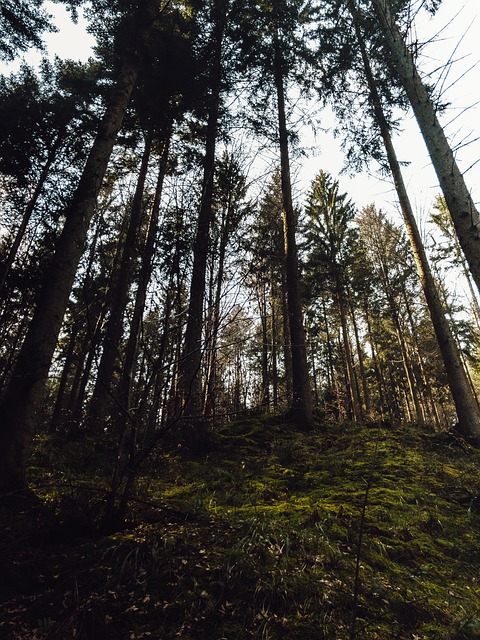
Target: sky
[(454, 31), (458, 25)]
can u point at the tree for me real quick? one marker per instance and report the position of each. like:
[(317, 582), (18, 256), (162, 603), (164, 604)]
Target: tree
[(194, 427), (267, 277), (273, 43), (466, 404), (449, 249), (22, 397), (465, 215), (231, 209), (301, 410), (39, 115), (22, 23), (330, 246)]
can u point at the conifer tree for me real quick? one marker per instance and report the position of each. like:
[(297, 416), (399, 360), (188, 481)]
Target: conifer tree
[(21, 400), (465, 215)]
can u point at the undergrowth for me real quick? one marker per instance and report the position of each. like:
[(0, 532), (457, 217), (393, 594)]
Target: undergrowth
[(257, 539)]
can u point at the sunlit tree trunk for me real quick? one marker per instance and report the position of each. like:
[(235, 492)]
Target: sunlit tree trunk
[(465, 215), (352, 388), (465, 403), (361, 365)]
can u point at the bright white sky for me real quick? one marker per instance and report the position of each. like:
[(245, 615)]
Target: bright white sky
[(462, 89)]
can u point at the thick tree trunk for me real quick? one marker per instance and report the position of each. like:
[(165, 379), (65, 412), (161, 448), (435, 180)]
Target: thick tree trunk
[(19, 405), (301, 410), (465, 403), (465, 215)]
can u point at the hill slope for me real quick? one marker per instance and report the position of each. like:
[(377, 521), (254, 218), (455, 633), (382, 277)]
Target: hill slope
[(364, 532)]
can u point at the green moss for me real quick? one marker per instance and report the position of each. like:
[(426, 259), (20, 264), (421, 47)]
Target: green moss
[(259, 539)]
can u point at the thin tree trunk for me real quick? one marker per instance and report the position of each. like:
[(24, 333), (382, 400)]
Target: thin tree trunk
[(273, 343), (465, 215), (21, 401), (124, 389), (91, 343), (366, 392), (465, 403), (210, 400), (127, 466), (265, 390), (5, 268), (104, 386), (301, 410), (349, 368), (376, 365), (194, 429)]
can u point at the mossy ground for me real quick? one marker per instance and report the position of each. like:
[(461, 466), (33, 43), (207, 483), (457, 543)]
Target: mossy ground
[(258, 538)]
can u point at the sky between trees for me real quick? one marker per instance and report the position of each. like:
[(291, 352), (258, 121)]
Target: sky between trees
[(452, 35)]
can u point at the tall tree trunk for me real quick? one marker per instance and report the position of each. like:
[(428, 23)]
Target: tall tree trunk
[(127, 463), (91, 342), (465, 403), (194, 431), (265, 390), (351, 378), (361, 364), (21, 401), (273, 345), (465, 215), (301, 410), (211, 381), (124, 389), (104, 386), (378, 374)]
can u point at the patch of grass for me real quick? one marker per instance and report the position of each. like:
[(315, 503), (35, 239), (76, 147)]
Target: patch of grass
[(259, 539)]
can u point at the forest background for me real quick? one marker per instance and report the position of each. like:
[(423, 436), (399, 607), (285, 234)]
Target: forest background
[(239, 392), (174, 317)]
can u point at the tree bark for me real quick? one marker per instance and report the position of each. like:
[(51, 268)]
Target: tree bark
[(465, 215)]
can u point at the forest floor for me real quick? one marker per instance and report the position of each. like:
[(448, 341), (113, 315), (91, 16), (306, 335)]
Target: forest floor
[(352, 532)]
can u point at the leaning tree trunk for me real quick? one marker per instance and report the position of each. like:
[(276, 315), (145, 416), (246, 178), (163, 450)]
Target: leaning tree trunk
[(12, 254), (21, 401), (301, 409), (465, 215), (104, 386), (465, 403)]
